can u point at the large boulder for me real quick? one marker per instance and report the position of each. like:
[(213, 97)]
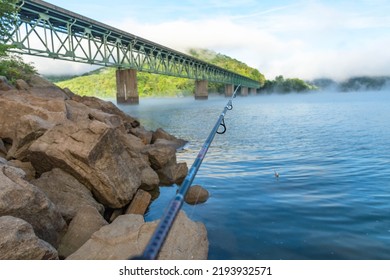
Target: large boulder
[(143, 134), (87, 221), (92, 152), (40, 86), (21, 84), (17, 105), (162, 159), (128, 235), (68, 194), (160, 155), (19, 242), (23, 200), (133, 144), (107, 107), (78, 112), (173, 174), (161, 134), (27, 130), (149, 179)]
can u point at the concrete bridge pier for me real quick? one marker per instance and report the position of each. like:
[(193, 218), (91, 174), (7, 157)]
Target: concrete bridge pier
[(244, 91), (126, 86), (253, 91), (201, 90), (229, 89)]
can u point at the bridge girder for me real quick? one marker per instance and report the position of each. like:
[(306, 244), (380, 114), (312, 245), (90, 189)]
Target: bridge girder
[(42, 29)]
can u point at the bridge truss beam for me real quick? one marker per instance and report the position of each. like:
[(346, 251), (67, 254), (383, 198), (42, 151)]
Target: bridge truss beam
[(42, 29)]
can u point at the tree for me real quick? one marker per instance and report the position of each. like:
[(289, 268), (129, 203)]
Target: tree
[(13, 68), (7, 12), (282, 85)]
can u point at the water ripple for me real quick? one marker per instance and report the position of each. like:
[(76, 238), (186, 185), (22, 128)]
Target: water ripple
[(332, 198)]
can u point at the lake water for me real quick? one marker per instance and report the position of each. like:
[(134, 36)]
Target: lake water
[(331, 150)]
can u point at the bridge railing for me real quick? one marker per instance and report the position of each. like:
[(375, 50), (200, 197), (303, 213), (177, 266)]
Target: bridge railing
[(45, 30)]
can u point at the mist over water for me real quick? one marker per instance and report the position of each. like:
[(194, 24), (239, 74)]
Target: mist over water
[(332, 199)]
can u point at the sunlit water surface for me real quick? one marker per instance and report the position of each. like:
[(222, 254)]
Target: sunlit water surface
[(331, 150)]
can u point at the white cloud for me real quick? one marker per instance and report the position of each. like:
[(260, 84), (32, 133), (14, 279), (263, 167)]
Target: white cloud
[(314, 51), (305, 39)]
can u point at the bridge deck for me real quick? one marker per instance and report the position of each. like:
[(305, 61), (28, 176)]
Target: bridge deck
[(42, 26)]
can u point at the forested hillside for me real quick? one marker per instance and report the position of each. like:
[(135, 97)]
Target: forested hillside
[(228, 63), (102, 81)]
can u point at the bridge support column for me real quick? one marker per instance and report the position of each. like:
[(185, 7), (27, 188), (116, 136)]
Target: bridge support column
[(126, 86), (229, 89), (201, 89), (244, 91), (253, 91)]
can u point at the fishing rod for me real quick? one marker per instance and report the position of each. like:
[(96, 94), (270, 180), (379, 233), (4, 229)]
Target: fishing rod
[(160, 234)]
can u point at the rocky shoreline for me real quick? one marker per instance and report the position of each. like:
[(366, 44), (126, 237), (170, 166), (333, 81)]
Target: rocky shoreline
[(77, 175)]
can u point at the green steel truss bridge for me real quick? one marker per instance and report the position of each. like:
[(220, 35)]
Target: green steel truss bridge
[(45, 30)]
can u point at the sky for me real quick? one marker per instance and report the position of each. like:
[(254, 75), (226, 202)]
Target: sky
[(304, 39)]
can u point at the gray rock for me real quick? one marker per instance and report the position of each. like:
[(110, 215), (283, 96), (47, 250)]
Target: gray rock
[(160, 155), (78, 111), (21, 84), (3, 150), (28, 129), (68, 92), (26, 167), (87, 221), (107, 107), (162, 159), (4, 84), (149, 179), (143, 134), (172, 174), (19, 242), (39, 86), (140, 203), (115, 214), (16, 105), (196, 194), (68, 194), (23, 200), (171, 143), (132, 143), (92, 152), (128, 235), (160, 134)]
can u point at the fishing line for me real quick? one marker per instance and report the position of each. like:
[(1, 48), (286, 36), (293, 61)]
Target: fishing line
[(160, 234)]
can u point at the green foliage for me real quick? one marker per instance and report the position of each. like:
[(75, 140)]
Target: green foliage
[(364, 83), (102, 82), (13, 68), (228, 63), (7, 12), (160, 85), (325, 83), (98, 83), (281, 85)]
